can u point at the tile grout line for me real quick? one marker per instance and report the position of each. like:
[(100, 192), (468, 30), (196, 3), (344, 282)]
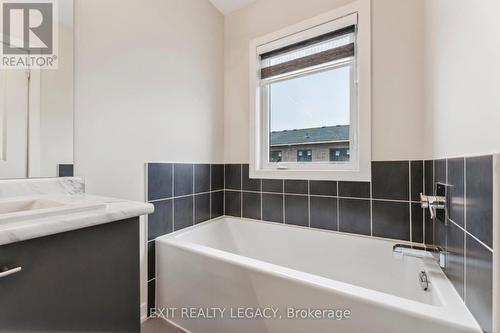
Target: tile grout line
[(338, 208), (433, 193), (284, 200), (194, 194), (309, 203), (472, 236), (327, 196), (173, 194), (241, 188), (409, 198), (446, 215), (371, 208), (424, 190), (465, 228)]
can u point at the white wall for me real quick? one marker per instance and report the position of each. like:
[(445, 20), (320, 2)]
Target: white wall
[(462, 67), (397, 117), (149, 86)]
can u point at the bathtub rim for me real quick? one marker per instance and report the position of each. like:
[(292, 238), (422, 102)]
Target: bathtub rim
[(454, 312)]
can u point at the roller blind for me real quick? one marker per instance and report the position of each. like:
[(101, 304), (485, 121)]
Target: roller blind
[(328, 47)]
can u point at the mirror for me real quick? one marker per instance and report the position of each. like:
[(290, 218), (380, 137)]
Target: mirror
[(36, 108)]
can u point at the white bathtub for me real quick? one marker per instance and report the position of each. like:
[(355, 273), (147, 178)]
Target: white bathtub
[(210, 274)]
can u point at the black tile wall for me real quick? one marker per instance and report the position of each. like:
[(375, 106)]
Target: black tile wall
[(455, 258), (389, 206), (440, 171), (417, 223), (296, 186), (272, 207), (428, 177), (456, 180), (317, 203), (161, 221), (202, 207), (297, 210), (390, 220), (217, 175), (479, 198), (201, 178), (151, 260), (428, 228), (466, 230), (319, 187), (183, 212), (248, 183), (252, 205), (183, 179), (355, 216), (272, 185), (390, 180), (232, 203), (417, 179), (159, 181), (233, 176), (324, 213), (183, 195), (479, 282), (354, 189), (217, 204), (151, 296)]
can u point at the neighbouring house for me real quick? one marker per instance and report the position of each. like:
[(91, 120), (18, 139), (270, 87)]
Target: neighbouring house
[(328, 143)]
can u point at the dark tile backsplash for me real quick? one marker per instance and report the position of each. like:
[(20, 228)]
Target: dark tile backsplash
[(479, 198), (324, 213), (390, 180), (319, 187), (183, 179), (183, 195), (233, 176), (355, 216), (297, 186), (390, 219), (354, 189), (272, 207), (297, 210), (389, 207)]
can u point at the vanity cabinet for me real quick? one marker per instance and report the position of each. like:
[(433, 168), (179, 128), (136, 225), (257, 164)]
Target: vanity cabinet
[(85, 280)]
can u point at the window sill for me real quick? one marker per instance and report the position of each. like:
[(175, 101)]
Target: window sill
[(336, 175)]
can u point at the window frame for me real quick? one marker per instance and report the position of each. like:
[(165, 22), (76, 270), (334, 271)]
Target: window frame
[(359, 168)]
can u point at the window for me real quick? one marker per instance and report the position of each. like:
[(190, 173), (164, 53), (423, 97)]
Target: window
[(339, 154), (276, 156), (304, 155), (310, 102)]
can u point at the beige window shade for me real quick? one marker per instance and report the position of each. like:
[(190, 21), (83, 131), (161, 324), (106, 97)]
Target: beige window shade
[(329, 47)]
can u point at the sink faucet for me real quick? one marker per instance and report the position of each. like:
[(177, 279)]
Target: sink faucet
[(420, 251), (432, 202)]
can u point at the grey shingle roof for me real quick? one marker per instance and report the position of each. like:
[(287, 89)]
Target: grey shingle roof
[(308, 135)]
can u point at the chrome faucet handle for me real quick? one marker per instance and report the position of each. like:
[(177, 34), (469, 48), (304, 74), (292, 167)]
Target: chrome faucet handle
[(433, 203)]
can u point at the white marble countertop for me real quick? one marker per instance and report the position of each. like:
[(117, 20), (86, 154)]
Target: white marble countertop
[(96, 209)]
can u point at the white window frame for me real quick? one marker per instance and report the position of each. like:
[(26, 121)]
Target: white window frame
[(359, 168)]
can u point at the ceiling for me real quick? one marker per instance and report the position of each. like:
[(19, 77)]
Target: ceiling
[(228, 6)]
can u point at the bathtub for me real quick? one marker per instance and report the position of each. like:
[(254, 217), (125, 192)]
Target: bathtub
[(237, 276)]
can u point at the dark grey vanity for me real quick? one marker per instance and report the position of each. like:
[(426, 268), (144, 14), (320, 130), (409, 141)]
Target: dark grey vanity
[(69, 261), (85, 280)]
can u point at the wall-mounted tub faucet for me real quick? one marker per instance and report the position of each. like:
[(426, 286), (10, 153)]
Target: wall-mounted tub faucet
[(419, 251), (432, 202)]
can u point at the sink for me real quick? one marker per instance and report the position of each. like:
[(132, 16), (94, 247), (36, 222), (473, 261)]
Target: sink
[(27, 205), (13, 210)]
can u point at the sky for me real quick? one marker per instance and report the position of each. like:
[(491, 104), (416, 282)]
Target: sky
[(317, 100)]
